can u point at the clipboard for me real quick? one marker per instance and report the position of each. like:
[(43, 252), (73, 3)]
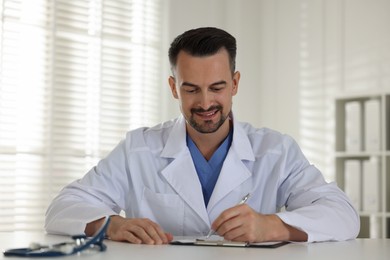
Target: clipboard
[(226, 243)]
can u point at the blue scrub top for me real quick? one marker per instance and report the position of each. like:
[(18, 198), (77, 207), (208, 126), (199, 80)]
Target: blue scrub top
[(208, 171)]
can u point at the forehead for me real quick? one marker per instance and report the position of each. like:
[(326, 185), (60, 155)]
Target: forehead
[(200, 65)]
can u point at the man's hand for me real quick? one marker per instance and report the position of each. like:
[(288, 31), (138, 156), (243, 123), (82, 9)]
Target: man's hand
[(242, 223), (136, 231)]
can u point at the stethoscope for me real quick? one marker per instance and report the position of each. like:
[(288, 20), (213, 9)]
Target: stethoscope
[(79, 244)]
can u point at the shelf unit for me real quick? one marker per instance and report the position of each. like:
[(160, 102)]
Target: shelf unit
[(374, 224)]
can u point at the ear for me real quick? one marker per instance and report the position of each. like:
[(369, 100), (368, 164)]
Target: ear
[(172, 85), (236, 81)]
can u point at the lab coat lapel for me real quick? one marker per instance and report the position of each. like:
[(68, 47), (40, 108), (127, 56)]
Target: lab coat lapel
[(233, 172), (181, 173)]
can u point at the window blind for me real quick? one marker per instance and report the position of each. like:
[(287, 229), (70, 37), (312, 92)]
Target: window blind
[(75, 75)]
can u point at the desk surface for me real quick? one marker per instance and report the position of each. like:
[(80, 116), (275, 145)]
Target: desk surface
[(354, 249)]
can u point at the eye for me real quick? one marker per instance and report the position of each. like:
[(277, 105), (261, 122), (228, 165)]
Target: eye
[(218, 86), (216, 89), (190, 90)]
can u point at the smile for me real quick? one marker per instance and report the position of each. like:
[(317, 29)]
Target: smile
[(207, 115)]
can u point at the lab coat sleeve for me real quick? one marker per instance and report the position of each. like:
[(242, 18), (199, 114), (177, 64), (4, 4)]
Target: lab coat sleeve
[(99, 193), (312, 205)]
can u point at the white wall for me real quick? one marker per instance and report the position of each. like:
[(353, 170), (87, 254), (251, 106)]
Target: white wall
[(294, 57), (266, 34), (367, 45)]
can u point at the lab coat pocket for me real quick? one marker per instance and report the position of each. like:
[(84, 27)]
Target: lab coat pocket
[(167, 210)]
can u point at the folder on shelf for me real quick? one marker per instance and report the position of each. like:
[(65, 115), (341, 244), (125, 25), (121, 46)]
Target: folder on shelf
[(375, 227), (353, 126), (372, 119), (371, 185), (352, 182)]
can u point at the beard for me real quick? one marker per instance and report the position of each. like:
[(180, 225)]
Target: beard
[(207, 126)]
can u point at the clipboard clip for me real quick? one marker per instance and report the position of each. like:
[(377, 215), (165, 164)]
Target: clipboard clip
[(226, 243), (206, 242)]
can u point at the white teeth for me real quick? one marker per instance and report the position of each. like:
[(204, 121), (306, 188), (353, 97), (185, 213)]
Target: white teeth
[(208, 114)]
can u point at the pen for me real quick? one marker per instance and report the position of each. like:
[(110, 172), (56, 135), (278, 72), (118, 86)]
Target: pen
[(243, 200)]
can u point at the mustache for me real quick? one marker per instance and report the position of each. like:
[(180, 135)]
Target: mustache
[(201, 110)]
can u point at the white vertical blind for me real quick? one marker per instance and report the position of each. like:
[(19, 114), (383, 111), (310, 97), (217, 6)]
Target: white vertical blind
[(75, 75), (319, 81)]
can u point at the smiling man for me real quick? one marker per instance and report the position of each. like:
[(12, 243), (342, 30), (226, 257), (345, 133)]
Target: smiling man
[(204, 87), (186, 176)]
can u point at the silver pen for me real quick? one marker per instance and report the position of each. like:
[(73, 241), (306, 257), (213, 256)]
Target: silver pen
[(243, 200)]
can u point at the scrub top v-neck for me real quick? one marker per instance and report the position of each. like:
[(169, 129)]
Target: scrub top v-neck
[(208, 171)]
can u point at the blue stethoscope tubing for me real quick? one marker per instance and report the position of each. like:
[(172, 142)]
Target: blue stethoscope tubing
[(46, 251)]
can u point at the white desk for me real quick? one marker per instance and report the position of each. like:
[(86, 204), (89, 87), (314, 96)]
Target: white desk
[(355, 249)]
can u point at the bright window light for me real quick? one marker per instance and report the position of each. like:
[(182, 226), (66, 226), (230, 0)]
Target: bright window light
[(75, 76)]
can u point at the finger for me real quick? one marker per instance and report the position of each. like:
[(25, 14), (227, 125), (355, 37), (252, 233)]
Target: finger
[(225, 216), (229, 225), (245, 227), (156, 234), (169, 237), (243, 238), (234, 234), (131, 238), (141, 233), (137, 231), (165, 237)]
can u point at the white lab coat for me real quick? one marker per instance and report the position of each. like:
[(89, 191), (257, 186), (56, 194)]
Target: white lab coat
[(151, 175)]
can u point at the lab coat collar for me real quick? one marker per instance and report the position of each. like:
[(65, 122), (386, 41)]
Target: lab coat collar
[(176, 142), (241, 144), (181, 172), (234, 171)]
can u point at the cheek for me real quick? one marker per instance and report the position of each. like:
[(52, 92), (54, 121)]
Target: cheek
[(226, 99), (185, 99), (183, 102)]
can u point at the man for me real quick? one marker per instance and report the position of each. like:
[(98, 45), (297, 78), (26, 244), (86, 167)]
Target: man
[(186, 176)]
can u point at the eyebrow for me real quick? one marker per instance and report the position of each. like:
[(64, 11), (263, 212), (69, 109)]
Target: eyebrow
[(188, 84)]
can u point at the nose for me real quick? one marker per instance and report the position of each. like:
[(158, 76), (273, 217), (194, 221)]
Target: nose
[(205, 99)]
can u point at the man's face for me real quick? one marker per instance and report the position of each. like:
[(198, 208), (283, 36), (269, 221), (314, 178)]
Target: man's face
[(204, 87)]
